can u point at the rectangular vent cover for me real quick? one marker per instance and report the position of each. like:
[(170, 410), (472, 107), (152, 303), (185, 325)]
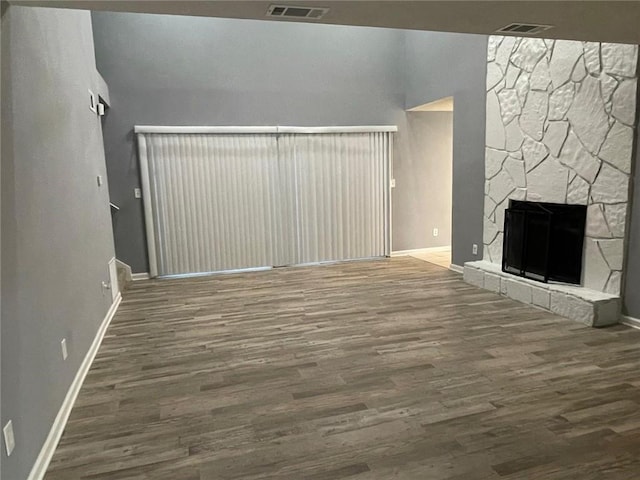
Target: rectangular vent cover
[(524, 28), (289, 11)]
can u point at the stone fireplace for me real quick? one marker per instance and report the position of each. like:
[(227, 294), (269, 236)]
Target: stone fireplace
[(560, 128)]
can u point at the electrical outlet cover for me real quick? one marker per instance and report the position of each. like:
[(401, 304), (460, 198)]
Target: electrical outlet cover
[(9, 439)]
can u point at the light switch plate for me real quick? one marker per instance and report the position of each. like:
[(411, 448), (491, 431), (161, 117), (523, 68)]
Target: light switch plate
[(137, 192), (436, 232), (393, 183), (99, 180), (63, 345), (9, 439), (92, 102), (474, 249)]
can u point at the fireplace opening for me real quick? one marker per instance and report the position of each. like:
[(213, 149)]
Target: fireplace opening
[(543, 241)]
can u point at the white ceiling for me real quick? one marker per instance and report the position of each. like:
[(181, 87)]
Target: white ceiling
[(609, 21), (442, 105)]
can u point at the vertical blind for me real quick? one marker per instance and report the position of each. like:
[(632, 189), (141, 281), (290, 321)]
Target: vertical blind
[(339, 181), (226, 201)]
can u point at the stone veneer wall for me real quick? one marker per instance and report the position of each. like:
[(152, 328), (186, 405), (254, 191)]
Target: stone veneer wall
[(560, 127)]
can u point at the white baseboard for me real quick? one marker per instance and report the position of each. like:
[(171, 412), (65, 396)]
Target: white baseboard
[(456, 268), (630, 321), (127, 269), (49, 447), (140, 276), (402, 253)]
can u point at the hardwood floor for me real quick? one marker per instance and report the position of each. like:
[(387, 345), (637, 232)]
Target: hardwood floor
[(390, 369)]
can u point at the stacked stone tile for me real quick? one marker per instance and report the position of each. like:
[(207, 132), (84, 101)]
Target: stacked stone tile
[(560, 128)]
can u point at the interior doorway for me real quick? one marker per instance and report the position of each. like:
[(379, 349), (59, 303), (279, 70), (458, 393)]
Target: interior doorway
[(427, 181)]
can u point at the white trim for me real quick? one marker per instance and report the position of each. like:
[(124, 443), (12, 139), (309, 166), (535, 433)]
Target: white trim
[(630, 321), (48, 448), (388, 202), (146, 201), (456, 268), (343, 129), (217, 272), (113, 279), (417, 251), (127, 269), (258, 129), (201, 129), (140, 276)]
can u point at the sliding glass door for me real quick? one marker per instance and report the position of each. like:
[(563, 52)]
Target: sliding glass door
[(217, 200), (340, 181)]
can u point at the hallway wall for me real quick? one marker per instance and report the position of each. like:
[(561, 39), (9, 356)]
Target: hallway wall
[(424, 182), (56, 230), (442, 65)]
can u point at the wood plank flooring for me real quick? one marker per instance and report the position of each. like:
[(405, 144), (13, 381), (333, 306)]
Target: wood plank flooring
[(390, 369)]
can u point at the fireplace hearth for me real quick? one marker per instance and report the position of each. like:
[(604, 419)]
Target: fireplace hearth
[(544, 241)]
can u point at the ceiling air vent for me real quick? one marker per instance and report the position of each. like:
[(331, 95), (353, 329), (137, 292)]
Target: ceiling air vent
[(288, 11), (524, 28)]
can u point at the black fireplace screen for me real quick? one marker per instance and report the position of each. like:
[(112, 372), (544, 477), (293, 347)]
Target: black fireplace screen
[(543, 241)]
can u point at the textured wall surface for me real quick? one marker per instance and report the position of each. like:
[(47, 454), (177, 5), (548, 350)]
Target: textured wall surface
[(560, 128), (56, 226)]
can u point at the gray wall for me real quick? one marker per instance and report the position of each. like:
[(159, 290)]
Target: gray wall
[(203, 71), (3, 9), (423, 182), (56, 232), (632, 285), (441, 65), (632, 280)]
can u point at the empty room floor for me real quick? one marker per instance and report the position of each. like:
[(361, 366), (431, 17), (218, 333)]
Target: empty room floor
[(440, 257), (389, 369)]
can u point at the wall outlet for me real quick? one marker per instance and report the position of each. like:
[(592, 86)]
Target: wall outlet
[(435, 232), (393, 183), (9, 439), (474, 249), (137, 192), (63, 345)]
